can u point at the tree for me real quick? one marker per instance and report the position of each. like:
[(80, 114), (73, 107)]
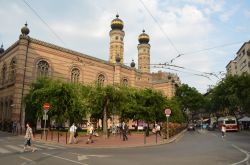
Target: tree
[(65, 100), (190, 99), (103, 100), (232, 94)]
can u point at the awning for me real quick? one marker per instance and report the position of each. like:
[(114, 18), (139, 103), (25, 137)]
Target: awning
[(246, 118)]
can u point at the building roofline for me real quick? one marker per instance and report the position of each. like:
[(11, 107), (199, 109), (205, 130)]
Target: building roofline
[(231, 62), (46, 44), (243, 46), (9, 48), (56, 47)]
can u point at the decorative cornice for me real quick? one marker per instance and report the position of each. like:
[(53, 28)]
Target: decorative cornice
[(67, 50)]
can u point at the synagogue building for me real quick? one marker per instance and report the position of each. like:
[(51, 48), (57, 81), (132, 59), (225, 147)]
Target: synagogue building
[(29, 58)]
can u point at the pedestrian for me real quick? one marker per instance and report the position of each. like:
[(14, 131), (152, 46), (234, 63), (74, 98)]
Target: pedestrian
[(90, 131), (113, 128), (223, 130), (28, 138), (124, 131), (14, 127), (158, 129), (72, 131)]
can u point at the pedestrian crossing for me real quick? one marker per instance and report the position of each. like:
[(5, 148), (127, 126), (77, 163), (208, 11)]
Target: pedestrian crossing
[(13, 148)]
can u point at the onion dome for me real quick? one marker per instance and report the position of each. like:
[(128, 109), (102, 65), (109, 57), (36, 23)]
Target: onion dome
[(118, 59), (117, 23), (25, 30), (143, 38), (132, 64), (1, 49)]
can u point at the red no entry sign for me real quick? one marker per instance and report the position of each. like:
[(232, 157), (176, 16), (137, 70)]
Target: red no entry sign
[(168, 111), (46, 106)]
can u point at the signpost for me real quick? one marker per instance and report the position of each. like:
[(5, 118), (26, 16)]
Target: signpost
[(46, 107), (167, 113)]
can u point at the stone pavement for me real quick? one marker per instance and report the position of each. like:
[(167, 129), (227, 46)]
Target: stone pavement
[(134, 140)]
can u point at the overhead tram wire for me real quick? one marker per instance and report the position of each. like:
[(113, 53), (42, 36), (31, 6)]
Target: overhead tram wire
[(206, 49), (188, 69), (195, 74), (162, 30), (34, 11)]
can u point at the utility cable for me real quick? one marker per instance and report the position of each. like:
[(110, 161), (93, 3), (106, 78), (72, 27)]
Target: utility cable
[(206, 49), (158, 24), (36, 13)]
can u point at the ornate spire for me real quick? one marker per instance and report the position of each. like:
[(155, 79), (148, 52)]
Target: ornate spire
[(117, 23), (1, 49), (25, 30), (132, 64), (143, 38)]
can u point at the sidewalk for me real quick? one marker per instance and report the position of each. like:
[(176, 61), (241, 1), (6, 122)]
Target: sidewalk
[(134, 140)]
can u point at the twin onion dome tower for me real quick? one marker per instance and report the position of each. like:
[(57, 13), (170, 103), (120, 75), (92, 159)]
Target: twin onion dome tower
[(116, 54)]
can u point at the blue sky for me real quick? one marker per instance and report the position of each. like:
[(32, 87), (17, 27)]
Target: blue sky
[(191, 25)]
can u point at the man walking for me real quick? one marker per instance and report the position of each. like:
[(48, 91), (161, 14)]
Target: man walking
[(124, 131), (72, 131)]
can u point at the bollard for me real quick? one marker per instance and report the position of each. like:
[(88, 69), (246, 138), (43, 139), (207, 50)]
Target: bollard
[(144, 137), (57, 136), (66, 137), (41, 135), (156, 137), (52, 135), (46, 134)]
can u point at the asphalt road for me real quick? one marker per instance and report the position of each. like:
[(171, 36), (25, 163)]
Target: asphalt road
[(194, 148)]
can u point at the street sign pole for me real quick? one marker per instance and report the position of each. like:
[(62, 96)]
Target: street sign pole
[(46, 107), (167, 127), (167, 113), (45, 115)]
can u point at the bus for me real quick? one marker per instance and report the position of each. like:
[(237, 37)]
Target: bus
[(229, 122)]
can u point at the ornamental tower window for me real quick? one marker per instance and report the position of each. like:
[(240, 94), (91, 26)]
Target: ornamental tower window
[(4, 72), (12, 70), (42, 69), (75, 74), (125, 82), (101, 79)]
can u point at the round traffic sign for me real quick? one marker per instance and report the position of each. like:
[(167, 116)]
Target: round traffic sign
[(46, 106), (168, 111)]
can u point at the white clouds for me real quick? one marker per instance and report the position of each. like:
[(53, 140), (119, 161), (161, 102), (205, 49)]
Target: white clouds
[(247, 13), (225, 16)]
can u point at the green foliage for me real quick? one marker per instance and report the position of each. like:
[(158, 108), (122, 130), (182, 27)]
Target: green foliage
[(232, 93), (177, 115), (71, 102), (189, 98), (64, 98)]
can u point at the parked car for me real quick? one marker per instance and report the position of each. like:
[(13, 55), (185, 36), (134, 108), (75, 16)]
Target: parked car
[(191, 127)]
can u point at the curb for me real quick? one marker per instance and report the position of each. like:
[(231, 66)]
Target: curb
[(171, 140)]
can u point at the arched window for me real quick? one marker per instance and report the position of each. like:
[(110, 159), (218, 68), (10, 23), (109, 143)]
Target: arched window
[(42, 69), (101, 79), (12, 70), (4, 72), (125, 82), (75, 74)]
